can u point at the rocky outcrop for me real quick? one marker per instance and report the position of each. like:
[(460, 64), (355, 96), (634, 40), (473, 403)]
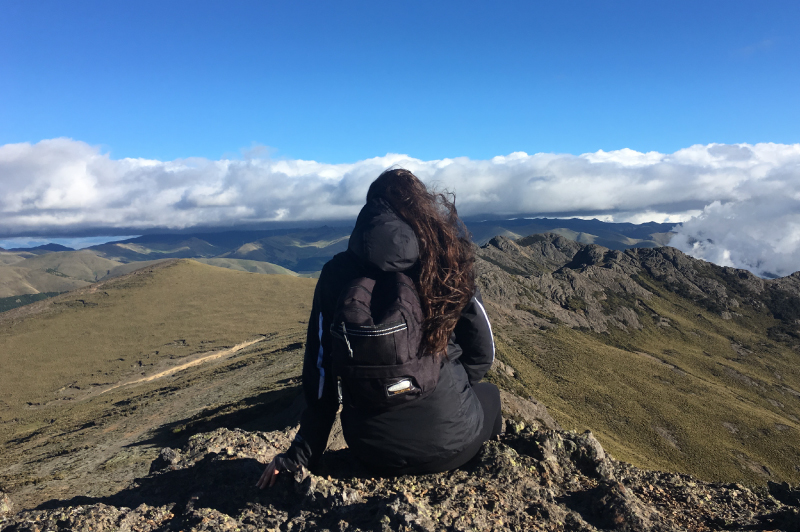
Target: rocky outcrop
[(6, 506), (528, 480), (547, 280), (530, 255), (521, 413)]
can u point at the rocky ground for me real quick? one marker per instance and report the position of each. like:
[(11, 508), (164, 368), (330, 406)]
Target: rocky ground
[(532, 478)]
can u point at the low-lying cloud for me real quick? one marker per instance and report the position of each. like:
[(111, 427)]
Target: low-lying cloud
[(740, 203)]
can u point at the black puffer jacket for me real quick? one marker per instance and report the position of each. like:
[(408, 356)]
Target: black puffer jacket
[(429, 430)]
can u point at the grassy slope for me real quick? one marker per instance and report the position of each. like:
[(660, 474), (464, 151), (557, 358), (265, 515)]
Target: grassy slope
[(232, 264), (10, 258), (50, 272), (16, 280), (128, 326), (8, 303), (684, 397), (128, 267), (83, 265), (301, 252), (136, 251), (252, 266)]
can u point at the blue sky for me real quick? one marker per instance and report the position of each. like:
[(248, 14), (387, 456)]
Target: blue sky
[(70, 242), (345, 81)]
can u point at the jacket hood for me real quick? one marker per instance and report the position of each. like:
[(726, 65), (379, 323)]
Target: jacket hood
[(382, 239)]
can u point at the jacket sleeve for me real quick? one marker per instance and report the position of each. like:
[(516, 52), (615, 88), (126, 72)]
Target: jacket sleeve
[(319, 386), (474, 335)]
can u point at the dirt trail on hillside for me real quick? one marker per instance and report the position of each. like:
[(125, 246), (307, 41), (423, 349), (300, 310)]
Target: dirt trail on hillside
[(196, 362)]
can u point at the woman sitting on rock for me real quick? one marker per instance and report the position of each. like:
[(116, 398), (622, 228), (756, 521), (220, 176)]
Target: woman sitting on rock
[(402, 228)]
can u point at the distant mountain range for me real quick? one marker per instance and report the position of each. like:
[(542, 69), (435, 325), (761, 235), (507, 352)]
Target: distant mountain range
[(40, 250), (57, 268), (606, 234), (302, 251)]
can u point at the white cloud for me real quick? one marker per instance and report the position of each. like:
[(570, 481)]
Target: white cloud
[(62, 184), (652, 216), (760, 234)]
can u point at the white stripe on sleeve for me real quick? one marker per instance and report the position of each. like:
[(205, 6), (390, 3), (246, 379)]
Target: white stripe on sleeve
[(487, 323)]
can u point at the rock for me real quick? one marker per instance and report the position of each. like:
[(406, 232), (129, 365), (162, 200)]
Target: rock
[(592, 457), (167, 457), (618, 508), (506, 370), (405, 511), (97, 517), (544, 280), (6, 506), (529, 479), (785, 493), (530, 411)]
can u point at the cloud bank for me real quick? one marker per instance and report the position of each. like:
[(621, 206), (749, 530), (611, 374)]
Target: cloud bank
[(740, 203)]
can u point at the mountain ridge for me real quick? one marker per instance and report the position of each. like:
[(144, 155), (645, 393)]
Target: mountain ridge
[(675, 365), (594, 332), (44, 248)]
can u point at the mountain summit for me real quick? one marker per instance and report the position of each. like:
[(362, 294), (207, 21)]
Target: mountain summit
[(162, 393)]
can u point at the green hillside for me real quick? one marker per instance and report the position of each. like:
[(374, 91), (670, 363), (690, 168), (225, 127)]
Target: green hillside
[(8, 303), (16, 280), (96, 381), (241, 265), (301, 252), (252, 266), (91, 338), (26, 273), (128, 267)]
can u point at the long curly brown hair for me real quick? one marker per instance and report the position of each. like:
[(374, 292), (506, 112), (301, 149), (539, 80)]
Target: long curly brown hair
[(446, 278)]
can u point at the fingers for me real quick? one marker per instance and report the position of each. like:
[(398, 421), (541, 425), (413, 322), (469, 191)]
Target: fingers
[(274, 478), (265, 478), (268, 477)]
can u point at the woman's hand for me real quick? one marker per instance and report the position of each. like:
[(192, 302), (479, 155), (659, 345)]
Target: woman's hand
[(270, 475), (280, 464)]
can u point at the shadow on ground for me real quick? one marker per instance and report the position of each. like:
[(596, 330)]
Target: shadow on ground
[(213, 482), (267, 411)]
